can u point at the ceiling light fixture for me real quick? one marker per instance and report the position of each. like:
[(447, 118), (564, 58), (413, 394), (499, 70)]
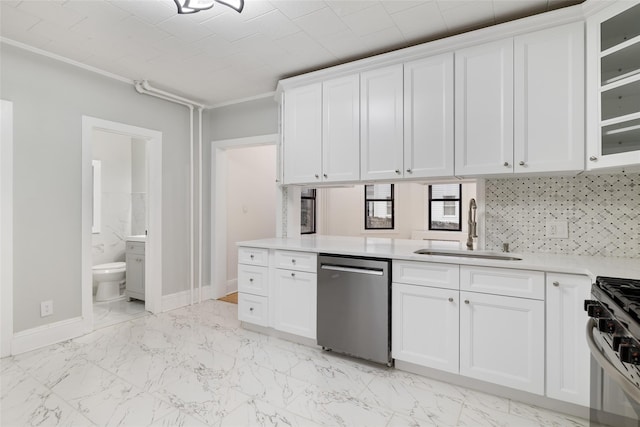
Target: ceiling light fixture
[(193, 6)]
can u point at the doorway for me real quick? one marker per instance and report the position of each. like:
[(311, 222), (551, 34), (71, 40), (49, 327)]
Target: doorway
[(220, 246), (153, 213)]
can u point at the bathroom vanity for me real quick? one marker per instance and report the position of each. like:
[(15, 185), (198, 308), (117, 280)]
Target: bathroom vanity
[(134, 255)]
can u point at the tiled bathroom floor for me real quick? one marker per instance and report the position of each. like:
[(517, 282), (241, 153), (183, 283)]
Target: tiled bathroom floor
[(195, 366), (112, 312)]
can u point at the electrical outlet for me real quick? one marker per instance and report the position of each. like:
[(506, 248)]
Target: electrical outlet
[(557, 229), (46, 308)]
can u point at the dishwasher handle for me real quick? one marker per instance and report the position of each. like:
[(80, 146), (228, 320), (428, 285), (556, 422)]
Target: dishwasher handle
[(357, 270)]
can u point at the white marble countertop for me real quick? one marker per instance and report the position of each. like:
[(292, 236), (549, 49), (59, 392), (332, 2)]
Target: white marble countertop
[(138, 238), (404, 249)]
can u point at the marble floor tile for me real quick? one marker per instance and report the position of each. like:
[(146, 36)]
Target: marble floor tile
[(109, 313), (197, 366)]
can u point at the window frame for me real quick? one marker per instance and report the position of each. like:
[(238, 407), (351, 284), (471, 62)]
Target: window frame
[(315, 204), (393, 208), (431, 200)]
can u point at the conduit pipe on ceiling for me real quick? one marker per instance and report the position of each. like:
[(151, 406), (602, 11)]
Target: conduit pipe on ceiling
[(145, 88)]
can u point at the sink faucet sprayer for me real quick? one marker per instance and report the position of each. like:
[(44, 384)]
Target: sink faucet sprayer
[(473, 225)]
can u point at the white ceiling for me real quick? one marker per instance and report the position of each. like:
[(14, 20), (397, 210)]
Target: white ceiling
[(218, 55)]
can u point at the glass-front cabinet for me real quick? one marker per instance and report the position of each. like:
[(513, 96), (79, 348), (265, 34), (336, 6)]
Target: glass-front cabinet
[(613, 73)]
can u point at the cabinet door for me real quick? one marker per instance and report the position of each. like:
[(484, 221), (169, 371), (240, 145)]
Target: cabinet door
[(568, 368), (428, 117), (425, 326), (613, 87), (294, 302), (484, 109), (341, 129), (381, 123), (502, 340), (303, 134), (134, 285), (549, 100)]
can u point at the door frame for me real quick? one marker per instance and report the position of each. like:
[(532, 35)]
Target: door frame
[(219, 205), (153, 247), (6, 227)]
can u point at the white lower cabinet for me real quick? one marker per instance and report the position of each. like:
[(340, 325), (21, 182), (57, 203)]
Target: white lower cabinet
[(502, 340), (253, 309), (568, 356), (425, 326), (135, 259), (294, 302)]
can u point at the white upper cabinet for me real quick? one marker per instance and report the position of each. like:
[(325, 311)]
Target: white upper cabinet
[(303, 134), (549, 100), (428, 117), (341, 129), (381, 124), (613, 87), (484, 109)]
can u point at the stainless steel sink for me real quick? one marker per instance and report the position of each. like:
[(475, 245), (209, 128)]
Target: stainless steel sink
[(479, 255)]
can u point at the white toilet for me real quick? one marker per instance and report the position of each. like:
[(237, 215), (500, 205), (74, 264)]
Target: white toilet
[(108, 277)]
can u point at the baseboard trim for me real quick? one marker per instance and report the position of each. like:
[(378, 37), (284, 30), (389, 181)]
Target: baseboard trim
[(183, 298), (45, 335)]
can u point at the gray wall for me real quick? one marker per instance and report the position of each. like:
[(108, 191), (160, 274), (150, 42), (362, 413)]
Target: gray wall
[(259, 117), (49, 99)]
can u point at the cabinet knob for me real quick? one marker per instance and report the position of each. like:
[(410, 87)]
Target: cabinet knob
[(398, 171), (293, 274), (521, 163), (450, 299), (593, 158), (556, 283), (293, 261), (466, 301), (251, 279), (409, 171), (251, 256), (325, 175), (506, 164), (250, 308), (317, 176)]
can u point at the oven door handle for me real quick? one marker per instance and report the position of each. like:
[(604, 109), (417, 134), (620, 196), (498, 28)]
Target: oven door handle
[(627, 386)]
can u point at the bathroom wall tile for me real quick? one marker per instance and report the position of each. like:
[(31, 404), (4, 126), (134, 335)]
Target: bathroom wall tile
[(602, 212)]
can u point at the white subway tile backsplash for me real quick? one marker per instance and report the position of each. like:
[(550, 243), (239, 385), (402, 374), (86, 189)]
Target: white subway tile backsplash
[(603, 212)]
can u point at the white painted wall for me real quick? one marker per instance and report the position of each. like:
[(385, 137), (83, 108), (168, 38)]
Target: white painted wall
[(251, 200)]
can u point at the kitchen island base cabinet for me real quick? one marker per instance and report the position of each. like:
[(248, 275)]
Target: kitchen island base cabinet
[(502, 340), (425, 326), (294, 303)]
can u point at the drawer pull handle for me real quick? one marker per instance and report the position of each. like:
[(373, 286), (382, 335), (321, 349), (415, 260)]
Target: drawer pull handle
[(593, 158), (556, 283), (325, 175), (466, 301), (506, 164), (397, 171), (450, 299), (521, 163)]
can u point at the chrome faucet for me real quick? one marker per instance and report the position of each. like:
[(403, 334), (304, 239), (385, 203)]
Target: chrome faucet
[(473, 225)]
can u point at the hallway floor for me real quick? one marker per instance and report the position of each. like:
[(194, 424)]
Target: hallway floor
[(195, 366)]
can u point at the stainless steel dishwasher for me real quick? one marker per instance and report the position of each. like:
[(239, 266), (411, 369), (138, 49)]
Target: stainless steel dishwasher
[(354, 306)]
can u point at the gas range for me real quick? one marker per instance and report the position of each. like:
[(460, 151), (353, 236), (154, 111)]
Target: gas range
[(613, 332)]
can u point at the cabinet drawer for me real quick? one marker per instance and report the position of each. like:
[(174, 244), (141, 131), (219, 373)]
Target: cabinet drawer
[(253, 309), (503, 281), (135, 248), (253, 279), (426, 274), (299, 261), (253, 256)]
